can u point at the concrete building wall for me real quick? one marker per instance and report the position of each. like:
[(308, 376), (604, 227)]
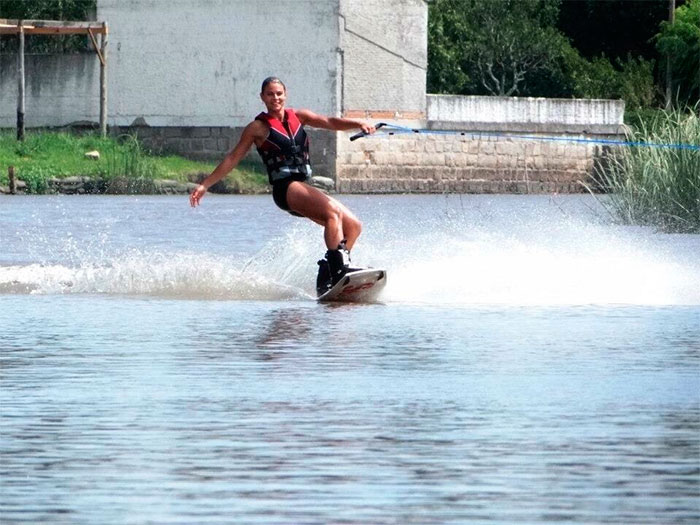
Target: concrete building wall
[(531, 113), (184, 63), (384, 52), (185, 75), (59, 89), (200, 63)]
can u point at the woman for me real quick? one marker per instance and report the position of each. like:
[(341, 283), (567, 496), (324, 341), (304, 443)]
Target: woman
[(283, 145)]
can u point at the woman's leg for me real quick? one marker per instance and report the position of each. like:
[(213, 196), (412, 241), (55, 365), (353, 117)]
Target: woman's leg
[(339, 223)]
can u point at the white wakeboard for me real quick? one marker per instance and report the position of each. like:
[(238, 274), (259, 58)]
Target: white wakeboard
[(362, 286)]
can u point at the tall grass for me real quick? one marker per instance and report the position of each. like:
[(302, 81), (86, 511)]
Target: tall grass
[(49, 154), (127, 158), (657, 186)]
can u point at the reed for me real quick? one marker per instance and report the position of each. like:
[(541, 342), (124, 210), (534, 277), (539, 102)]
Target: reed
[(127, 158), (657, 186)]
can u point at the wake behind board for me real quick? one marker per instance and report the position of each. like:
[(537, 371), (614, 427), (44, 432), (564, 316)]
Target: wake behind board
[(362, 286)]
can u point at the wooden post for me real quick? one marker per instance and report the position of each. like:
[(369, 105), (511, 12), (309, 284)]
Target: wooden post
[(103, 80), (20, 83), (11, 176)]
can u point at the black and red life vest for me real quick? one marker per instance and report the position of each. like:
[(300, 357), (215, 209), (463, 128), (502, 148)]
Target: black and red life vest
[(285, 151)]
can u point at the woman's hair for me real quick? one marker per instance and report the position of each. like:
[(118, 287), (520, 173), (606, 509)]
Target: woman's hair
[(271, 80)]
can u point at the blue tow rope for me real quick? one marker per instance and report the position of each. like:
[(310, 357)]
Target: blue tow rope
[(393, 129)]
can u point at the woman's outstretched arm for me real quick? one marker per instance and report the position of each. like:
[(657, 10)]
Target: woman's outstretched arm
[(332, 123), (229, 162)]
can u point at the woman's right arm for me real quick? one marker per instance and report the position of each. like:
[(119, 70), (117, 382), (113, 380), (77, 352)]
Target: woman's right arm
[(230, 161)]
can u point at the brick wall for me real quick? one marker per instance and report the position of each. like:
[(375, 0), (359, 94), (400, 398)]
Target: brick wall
[(199, 143), (492, 156), (469, 164), (211, 143)]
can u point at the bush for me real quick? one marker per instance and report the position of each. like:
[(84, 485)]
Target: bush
[(636, 81), (658, 186), (632, 80)]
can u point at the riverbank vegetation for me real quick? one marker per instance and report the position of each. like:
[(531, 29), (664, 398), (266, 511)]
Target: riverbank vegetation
[(45, 156), (619, 49), (548, 48), (653, 185)]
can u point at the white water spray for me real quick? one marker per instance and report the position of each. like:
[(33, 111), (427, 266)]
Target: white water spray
[(444, 260)]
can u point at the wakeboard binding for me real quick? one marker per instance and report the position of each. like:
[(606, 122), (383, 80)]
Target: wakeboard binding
[(333, 268)]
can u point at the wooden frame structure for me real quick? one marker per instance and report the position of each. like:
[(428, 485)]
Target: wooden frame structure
[(57, 27)]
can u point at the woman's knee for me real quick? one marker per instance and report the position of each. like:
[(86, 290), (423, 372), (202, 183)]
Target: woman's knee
[(355, 225), (334, 213)]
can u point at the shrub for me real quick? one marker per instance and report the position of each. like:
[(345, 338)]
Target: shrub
[(658, 186)]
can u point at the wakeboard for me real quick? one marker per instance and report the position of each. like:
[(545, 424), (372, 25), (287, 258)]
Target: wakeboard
[(361, 286)]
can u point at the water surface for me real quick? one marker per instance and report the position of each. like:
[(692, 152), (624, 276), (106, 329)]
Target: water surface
[(530, 361)]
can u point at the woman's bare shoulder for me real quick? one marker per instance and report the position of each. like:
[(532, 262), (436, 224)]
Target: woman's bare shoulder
[(257, 129)]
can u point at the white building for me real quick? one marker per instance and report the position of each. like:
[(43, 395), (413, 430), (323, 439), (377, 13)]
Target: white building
[(179, 66), (185, 63)]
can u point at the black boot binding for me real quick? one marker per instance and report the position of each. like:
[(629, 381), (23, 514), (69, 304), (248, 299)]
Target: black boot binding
[(323, 280), (333, 268)]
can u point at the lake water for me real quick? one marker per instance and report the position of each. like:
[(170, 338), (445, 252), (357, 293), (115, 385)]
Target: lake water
[(530, 361)]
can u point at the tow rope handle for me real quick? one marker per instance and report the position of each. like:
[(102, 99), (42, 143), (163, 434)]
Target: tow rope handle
[(363, 134)]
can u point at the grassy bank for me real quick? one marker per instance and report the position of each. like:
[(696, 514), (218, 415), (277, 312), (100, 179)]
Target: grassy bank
[(46, 155), (656, 186)]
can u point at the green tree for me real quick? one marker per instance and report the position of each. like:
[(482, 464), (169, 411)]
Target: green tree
[(47, 10), (614, 28), (501, 47), (514, 41), (631, 80), (681, 42), (513, 47), (448, 31)]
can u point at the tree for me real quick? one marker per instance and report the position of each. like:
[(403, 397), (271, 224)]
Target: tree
[(515, 40), (447, 34), (614, 28), (513, 47), (631, 80), (47, 10), (681, 42), (493, 48)]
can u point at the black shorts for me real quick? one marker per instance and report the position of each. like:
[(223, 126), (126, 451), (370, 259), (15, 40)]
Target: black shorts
[(279, 192)]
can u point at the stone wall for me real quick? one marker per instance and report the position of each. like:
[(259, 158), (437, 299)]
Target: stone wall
[(466, 164), (507, 145), (210, 143)]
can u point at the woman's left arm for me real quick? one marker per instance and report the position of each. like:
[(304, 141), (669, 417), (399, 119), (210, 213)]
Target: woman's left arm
[(332, 123)]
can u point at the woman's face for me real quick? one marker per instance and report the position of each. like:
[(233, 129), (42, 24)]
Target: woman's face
[(274, 96)]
